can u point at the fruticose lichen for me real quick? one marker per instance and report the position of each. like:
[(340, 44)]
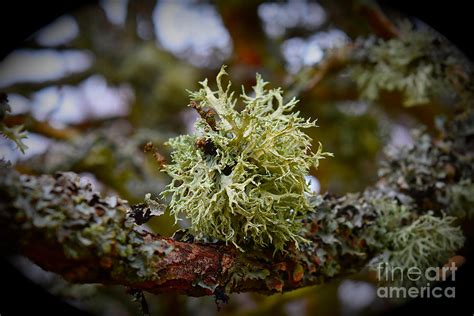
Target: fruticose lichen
[(241, 177), (419, 64), (404, 240)]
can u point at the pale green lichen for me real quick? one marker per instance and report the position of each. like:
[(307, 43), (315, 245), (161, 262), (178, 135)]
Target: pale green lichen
[(241, 177), (428, 241), (461, 198), (408, 241), (14, 133), (419, 64)]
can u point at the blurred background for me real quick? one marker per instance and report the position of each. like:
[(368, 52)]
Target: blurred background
[(97, 83)]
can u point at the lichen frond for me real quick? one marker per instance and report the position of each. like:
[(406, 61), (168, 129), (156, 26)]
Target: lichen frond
[(241, 177)]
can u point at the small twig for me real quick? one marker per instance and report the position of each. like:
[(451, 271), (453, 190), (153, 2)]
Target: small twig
[(41, 127), (159, 158), (334, 60), (211, 117), (378, 21), (208, 114)]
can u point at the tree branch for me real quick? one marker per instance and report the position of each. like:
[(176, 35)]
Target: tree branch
[(378, 21), (41, 127), (61, 224), (65, 227), (335, 60)]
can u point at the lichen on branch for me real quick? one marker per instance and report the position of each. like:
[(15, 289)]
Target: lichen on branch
[(64, 226), (418, 63), (241, 177)]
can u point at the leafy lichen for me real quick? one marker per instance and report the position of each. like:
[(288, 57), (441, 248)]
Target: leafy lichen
[(241, 177)]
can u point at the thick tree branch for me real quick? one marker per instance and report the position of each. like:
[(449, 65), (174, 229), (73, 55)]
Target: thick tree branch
[(64, 226)]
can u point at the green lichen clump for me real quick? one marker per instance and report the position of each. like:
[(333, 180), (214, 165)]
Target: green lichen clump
[(419, 64), (404, 240), (241, 177)]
